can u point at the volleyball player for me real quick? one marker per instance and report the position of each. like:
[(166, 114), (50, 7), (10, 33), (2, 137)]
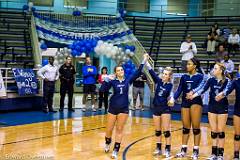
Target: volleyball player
[(161, 109), (191, 110), (236, 117), (118, 107), (217, 110)]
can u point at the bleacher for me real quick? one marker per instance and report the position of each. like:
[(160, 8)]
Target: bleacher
[(15, 42), (162, 37)]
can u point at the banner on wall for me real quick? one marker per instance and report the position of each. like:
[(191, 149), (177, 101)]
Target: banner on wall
[(2, 87), (26, 81)]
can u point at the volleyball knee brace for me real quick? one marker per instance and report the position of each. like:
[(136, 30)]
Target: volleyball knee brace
[(196, 131), (158, 133), (214, 135), (167, 134), (237, 137), (186, 130), (221, 135)]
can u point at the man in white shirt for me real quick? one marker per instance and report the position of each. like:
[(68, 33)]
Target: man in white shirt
[(228, 63), (49, 74), (188, 49)]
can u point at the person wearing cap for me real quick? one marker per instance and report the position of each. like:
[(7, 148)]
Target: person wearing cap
[(188, 50)]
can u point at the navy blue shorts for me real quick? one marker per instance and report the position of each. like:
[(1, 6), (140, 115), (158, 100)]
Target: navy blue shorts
[(189, 103), (116, 111), (159, 110), (218, 109), (237, 110)]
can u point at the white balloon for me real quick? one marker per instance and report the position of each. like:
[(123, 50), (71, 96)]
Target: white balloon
[(118, 15), (30, 4), (131, 54), (100, 42), (60, 61), (110, 45), (66, 54), (60, 55), (120, 50), (127, 51), (83, 54), (42, 41)]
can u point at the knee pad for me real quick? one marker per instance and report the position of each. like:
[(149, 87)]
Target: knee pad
[(221, 135), (167, 134), (196, 131), (186, 130), (158, 133), (237, 137), (214, 135)]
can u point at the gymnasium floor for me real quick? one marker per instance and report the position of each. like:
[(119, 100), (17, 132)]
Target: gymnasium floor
[(80, 136)]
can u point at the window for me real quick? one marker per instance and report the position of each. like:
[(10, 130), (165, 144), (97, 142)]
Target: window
[(75, 3), (48, 3), (137, 5)]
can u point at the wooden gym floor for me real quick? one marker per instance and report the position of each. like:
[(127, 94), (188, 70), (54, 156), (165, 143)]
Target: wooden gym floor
[(80, 137)]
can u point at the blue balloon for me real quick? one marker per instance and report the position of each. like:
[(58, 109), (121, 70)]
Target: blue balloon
[(74, 53), (132, 48), (25, 7), (88, 45), (33, 9), (78, 48), (133, 66), (83, 49), (44, 62), (94, 43), (43, 46)]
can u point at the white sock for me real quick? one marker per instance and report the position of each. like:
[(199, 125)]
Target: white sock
[(184, 146), (195, 147)]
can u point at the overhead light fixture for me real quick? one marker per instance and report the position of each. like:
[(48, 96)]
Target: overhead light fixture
[(171, 13), (181, 14)]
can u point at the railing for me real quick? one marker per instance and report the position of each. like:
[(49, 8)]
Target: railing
[(35, 45)]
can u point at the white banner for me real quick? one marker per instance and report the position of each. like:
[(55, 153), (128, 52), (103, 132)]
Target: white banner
[(2, 87)]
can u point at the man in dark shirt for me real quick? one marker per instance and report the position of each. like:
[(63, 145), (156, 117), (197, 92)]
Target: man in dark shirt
[(138, 89), (67, 73)]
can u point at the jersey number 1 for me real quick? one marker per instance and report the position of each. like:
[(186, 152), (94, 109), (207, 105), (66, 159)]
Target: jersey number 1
[(121, 90)]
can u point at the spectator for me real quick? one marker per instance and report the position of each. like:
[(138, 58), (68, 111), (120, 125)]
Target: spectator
[(228, 63), (226, 32), (188, 49), (50, 75), (217, 29), (138, 89), (221, 52), (67, 73), (212, 37), (89, 83), (103, 92), (233, 42)]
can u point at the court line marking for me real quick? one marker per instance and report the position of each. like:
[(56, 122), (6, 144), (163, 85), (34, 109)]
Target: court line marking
[(124, 154), (51, 136)]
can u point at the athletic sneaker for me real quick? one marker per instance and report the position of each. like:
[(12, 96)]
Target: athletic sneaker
[(114, 154), (84, 109), (181, 154), (167, 154), (212, 157), (94, 110), (220, 158), (195, 155), (142, 109), (107, 147), (157, 152)]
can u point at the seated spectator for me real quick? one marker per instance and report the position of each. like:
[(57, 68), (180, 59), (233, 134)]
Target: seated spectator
[(228, 64), (212, 38), (233, 42), (217, 29), (221, 52)]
